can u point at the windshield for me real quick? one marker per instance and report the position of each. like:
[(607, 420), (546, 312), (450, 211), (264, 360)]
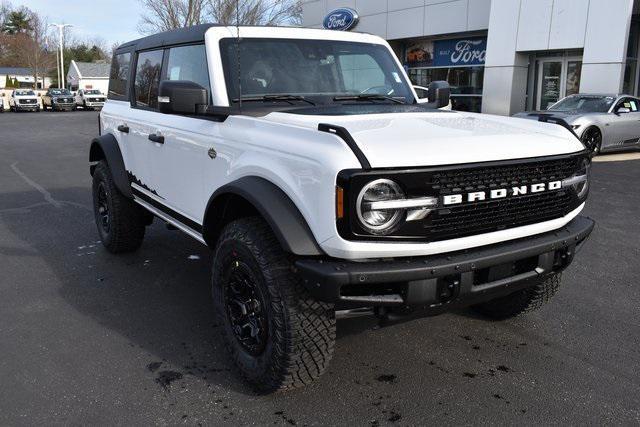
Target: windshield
[(92, 92), (584, 104), (318, 70), (25, 93), (60, 92)]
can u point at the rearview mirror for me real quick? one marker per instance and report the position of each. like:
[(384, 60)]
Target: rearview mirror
[(623, 110), (439, 94), (182, 97)]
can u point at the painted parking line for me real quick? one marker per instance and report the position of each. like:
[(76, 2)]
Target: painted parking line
[(617, 157)]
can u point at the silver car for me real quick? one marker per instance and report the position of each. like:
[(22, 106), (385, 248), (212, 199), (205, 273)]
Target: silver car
[(603, 122)]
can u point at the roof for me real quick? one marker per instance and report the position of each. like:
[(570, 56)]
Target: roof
[(167, 38), (16, 71), (93, 69)]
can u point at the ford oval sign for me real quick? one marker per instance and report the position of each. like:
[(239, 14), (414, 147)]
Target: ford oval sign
[(342, 19)]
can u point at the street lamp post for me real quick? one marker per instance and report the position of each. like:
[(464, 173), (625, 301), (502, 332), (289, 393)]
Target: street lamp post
[(61, 28)]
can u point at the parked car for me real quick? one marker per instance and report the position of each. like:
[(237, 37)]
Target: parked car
[(320, 200), (603, 122), (24, 100), (58, 99), (1, 102), (90, 99)]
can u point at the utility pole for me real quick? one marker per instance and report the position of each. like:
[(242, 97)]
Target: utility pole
[(61, 28)]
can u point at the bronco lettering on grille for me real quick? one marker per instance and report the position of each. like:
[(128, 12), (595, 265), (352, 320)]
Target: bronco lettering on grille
[(500, 193)]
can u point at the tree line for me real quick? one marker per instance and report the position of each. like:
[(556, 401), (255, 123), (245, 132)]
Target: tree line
[(27, 41)]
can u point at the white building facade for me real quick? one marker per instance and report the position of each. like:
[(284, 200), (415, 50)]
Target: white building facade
[(88, 75), (505, 56)]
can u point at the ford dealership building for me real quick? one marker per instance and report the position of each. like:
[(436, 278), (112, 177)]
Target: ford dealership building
[(501, 56)]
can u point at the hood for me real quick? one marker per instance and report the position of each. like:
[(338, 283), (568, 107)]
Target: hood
[(442, 138), (26, 97), (567, 115)]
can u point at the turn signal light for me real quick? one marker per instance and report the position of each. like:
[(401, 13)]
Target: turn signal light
[(339, 203)]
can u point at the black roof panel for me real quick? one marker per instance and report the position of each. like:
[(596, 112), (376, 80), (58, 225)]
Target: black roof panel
[(182, 35)]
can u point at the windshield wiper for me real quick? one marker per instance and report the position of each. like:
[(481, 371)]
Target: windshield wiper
[(275, 98), (368, 97)]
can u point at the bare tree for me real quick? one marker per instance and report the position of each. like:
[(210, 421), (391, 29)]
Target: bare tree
[(163, 15), (256, 12), (35, 55), (166, 15)]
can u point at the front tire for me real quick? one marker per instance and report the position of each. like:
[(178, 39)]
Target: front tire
[(523, 301), (592, 139), (277, 335), (121, 222)]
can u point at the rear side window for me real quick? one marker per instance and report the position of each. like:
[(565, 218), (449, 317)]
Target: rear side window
[(188, 63), (148, 78), (119, 76)]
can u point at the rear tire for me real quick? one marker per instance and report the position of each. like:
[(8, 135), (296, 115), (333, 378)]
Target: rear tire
[(120, 221), (523, 301), (277, 335)]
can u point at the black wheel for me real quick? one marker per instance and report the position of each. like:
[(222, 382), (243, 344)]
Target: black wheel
[(592, 139), (523, 301), (277, 335), (121, 222)]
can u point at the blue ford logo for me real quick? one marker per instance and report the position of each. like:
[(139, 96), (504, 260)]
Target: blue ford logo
[(342, 19)]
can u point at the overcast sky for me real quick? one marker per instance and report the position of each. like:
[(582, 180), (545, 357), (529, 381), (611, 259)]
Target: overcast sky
[(115, 21)]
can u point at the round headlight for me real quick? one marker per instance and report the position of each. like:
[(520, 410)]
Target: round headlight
[(380, 221)]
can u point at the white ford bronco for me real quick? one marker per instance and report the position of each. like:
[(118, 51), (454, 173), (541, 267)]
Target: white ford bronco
[(304, 160)]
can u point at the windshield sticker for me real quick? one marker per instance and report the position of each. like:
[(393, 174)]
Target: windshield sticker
[(397, 77)]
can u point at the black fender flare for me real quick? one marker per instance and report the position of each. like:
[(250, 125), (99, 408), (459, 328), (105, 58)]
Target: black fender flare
[(106, 147), (282, 215)]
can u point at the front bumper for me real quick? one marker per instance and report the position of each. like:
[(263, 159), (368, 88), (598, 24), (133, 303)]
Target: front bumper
[(31, 107), (94, 104), (460, 278), (63, 106)]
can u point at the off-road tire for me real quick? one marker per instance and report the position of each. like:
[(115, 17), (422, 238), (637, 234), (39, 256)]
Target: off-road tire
[(126, 219), (301, 331), (523, 301)]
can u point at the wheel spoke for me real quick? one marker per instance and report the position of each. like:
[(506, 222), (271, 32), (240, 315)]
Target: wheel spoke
[(244, 308)]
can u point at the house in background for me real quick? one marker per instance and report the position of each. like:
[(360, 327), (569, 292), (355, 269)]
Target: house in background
[(23, 77), (88, 75)]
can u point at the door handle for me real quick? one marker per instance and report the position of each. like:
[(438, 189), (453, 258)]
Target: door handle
[(123, 128), (156, 138)]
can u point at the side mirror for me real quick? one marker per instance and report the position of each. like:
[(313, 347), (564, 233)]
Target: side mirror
[(182, 97), (439, 94), (623, 110), (422, 92)]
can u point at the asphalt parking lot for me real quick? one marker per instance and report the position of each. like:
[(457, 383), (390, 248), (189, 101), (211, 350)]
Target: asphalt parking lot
[(91, 338)]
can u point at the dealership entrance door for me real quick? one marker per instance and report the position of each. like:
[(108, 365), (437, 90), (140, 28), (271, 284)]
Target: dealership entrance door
[(557, 77)]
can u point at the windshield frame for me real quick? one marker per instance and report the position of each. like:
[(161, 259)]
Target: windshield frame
[(321, 99), (615, 99)]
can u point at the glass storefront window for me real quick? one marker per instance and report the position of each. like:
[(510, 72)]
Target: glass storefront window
[(466, 84)]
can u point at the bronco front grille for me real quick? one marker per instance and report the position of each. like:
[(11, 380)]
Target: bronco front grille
[(494, 215), (470, 218)]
